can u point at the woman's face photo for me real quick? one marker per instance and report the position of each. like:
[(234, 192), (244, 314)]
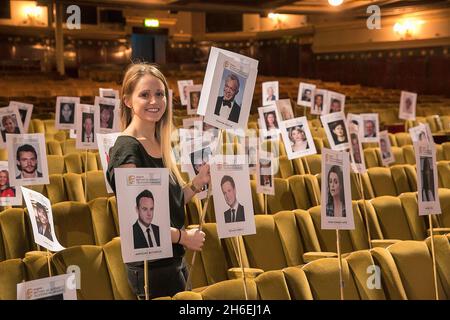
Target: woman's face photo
[(105, 117), (3, 178), (318, 100), (66, 112), (339, 130), (9, 124), (297, 135), (333, 184), (335, 106), (270, 119), (42, 216), (194, 100)]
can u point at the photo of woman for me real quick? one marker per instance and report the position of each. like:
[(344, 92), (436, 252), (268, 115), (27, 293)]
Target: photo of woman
[(67, 113), (338, 132), (298, 138), (106, 116), (9, 125), (6, 190), (336, 199), (270, 119), (427, 179)]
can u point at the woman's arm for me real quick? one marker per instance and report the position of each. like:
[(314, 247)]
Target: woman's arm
[(192, 239), (202, 178)]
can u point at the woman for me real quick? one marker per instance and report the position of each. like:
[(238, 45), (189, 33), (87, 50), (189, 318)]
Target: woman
[(66, 114), (271, 120), (9, 126), (5, 189), (318, 103), (106, 116), (427, 180), (145, 143), (298, 138), (338, 132), (336, 199)]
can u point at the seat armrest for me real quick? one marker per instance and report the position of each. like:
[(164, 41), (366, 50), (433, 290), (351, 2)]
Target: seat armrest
[(236, 273), (383, 243), (311, 256)]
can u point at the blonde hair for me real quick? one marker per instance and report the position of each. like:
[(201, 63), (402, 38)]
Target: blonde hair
[(163, 129)]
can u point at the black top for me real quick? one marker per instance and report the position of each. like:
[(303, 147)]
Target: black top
[(128, 149)]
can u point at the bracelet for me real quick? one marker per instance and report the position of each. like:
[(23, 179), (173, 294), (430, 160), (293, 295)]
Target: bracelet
[(179, 236), (193, 188)]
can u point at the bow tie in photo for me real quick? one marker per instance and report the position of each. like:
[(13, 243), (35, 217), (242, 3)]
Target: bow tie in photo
[(227, 103)]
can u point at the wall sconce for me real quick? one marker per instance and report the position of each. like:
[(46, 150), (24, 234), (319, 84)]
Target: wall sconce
[(33, 15), (408, 27), (335, 3)]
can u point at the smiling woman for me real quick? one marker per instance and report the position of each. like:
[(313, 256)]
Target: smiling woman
[(145, 143)]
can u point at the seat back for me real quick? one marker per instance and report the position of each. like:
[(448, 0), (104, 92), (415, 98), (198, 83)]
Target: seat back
[(15, 234), (305, 190), (282, 199)]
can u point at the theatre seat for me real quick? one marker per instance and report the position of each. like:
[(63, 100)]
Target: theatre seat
[(89, 161), (55, 164), (257, 198), (56, 190), (73, 163), (68, 146), (54, 148), (398, 156), (12, 272), (282, 199), (409, 155), (225, 290), (102, 221), (442, 251), (403, 139), (371, 158), (16, 235), (443, 168), (286, 167), (313, 163), (446, 148), (444, 200), (95, 185), (305, 190), (286, 284)]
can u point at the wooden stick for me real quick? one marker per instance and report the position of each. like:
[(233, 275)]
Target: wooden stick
[(308, 170), (85, 177), (365, 211), (265, 203), (146, 279), (341, 280), (241, 263), (48, 263), (433, 258)]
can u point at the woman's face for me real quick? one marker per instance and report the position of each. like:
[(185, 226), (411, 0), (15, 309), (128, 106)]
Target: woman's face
[(148, 99), (66, 112), (9, 125), (318, 99), (270, 119), (105, 116), (339, 130), (333, 184), (42, 216), (3, 178), (297, 135)]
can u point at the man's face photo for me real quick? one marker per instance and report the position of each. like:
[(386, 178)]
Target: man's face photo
[(307, 95), (145, 210), (369, 128), (230, 90), (408, 104), (88, 125), (229, 192), (383, 145), (27, 162), (41, 215)]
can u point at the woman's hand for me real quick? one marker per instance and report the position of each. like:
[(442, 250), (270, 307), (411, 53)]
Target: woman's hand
[(192, 239), (203, 177)]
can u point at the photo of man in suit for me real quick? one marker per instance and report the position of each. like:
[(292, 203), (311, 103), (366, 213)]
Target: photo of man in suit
[(236, 211), (87, 134), (145, 234), (226, 106), (27, 162), (369, 129)]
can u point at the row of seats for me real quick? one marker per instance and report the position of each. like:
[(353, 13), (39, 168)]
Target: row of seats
[(405, 273), (295, 237)]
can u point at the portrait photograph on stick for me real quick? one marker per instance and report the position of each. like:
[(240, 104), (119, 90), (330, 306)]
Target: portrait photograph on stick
[(336, 102), (105, 142), (356, 150), (305, 94), (269, 119), (51, 288), (144, 216), (270, 92), (27, 159), (232, 197), (371, 127), (387, 157), (85, 127), (107, 114), (407, 110), (284, 108), (336, 130), (227, 90), (297, 138), (182, 90), (65, 112), (10, 123), (319, 102), (25, 112), (265, 173), (109, 93), (336, 200), (193, 98), (9, 195), (40, 213)]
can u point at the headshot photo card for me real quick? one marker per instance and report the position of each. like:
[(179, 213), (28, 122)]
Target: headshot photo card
[(25, 112), (66, 112), (319, 105), (284, 108), (107, 115), (9, 195), (85, 127), (270, 92), (356, 149), (144, 213), (387, 157), (336, 102), (40, 213), (297, 138), (182, 90), (193, 98), (335, 126), (109, 93), (50, 288), (27, 159), (227, 90), (10, 123), (407, 110), (427, 179), (232, 197), (336, 199), (305, 94), (265, 173), (105, 142), (421, 133), (270, 119), (371, 127)]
